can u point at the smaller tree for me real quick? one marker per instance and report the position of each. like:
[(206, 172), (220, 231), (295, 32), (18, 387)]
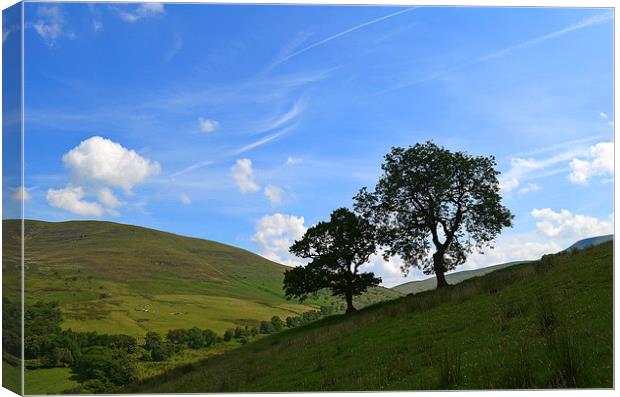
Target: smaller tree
[(277, 323), (265, 327), (229, 334), (337, 248)]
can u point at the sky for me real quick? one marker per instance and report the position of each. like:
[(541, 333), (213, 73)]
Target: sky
[(247, 124)]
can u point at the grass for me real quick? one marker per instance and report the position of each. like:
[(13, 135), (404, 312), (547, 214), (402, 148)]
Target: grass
[(49, 381), (11, 377), (114, 278), (518, 327)]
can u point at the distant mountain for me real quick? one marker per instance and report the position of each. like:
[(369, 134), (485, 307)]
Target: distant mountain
[(115, 278), (414, 287), (589, 242)]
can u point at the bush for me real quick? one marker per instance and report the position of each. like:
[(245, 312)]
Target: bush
[(229, 334), (266, 327), (277, 323)]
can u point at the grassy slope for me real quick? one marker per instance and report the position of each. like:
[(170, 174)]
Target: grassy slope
[(115, 278), (415, 287), (528, 325)]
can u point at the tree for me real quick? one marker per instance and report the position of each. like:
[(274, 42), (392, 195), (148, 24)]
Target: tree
[(266, 327), (430, 195), (277, 323), (152, 339), (229, 334), (337, 249)]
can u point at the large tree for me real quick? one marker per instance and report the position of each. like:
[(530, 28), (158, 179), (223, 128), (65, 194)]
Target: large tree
[(337, 248), (430, 195)]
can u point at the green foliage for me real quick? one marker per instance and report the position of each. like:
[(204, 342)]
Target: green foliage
[(266, 327), (105, 365), (395, 345), (337, 249), (430, 195), (277, 323)]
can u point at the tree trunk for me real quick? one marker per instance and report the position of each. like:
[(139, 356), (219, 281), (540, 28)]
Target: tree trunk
[(350, 307), (439, 270)]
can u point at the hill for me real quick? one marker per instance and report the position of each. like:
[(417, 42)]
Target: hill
[(589, 242), (115, 278), (534, 325), (415, 287)]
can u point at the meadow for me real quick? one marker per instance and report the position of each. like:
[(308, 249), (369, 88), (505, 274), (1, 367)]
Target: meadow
[(112, 278), (544, 324)]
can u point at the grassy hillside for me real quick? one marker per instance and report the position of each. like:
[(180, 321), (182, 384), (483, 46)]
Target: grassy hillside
[(414, 287), (535, 325), (114, 278)]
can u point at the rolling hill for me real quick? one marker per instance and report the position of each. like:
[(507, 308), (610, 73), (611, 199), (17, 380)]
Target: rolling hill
[(589, 242), (543, 324), (115, 278), (414, 287)]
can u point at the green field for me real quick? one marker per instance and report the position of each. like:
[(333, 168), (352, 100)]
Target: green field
[(544, 324), (114, 278), (48, 381)]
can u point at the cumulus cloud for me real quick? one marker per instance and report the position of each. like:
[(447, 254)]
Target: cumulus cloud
[(70, 199), (565, 224), (275, 234), (274, 194), (243, 175), (96, 167), (185, 199), (143, 10), (21, 194), (207, 125), (598, 161), (99, 161)]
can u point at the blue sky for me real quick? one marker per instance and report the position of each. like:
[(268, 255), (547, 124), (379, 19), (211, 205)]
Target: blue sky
[(247, 124)]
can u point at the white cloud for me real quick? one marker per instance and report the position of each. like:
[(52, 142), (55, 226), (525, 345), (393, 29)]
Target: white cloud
[(570, 226), (512, 248), (70, 199), (243, 175), (603, 115), (264, 140), (97, 166), (49, 24), (144, 10), (531, 187), (522, 169), (20, 194), (599, 161), (274, 194), (107, 198), (99, 161), (207, 125), (293, 161), (185, 199), (276, 233)]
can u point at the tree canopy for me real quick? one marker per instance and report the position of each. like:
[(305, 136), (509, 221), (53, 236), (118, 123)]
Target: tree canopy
[(430, 195), (337, 249)]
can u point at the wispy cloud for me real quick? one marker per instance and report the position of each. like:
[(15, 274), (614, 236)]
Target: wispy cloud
[(264, 140), (339, 34), (143, 10), (505, 51), (193, 167)]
